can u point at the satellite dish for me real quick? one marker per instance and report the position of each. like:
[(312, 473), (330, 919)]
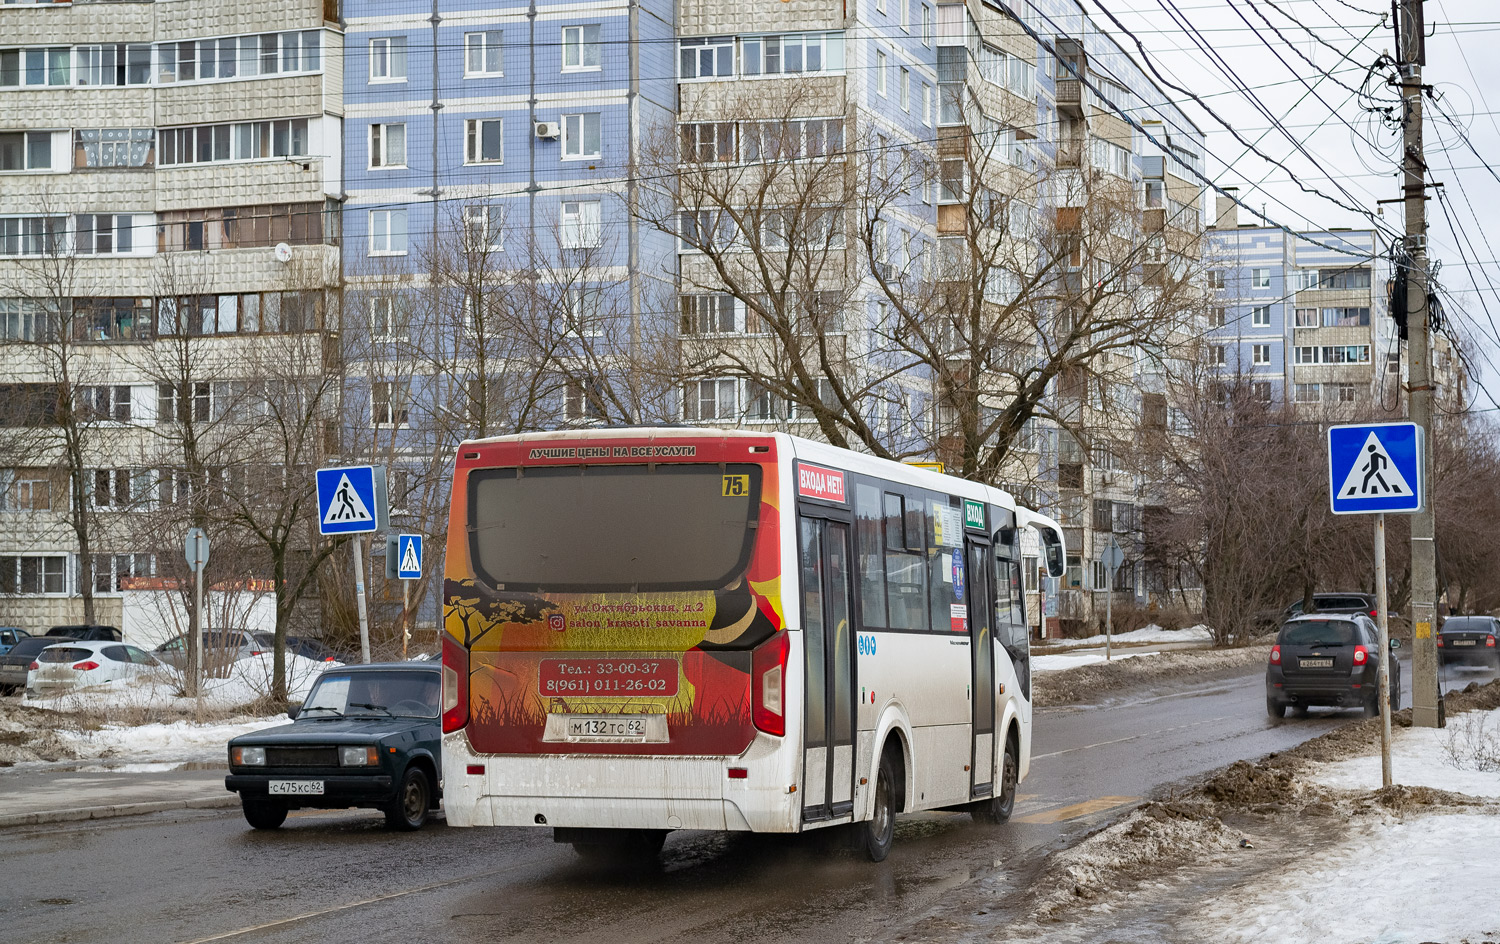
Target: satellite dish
[(283, 252)]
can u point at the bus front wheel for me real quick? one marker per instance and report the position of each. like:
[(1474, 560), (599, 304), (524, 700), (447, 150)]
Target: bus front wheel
[(997, 809), (879, 832)]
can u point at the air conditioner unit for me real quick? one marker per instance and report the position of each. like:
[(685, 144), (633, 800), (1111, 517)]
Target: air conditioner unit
[(548, 129)]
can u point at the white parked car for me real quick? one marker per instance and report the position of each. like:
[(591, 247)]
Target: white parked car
[(73, 665)]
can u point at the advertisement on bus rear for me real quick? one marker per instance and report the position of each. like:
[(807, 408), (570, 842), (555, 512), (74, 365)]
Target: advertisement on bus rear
[(603, 582)]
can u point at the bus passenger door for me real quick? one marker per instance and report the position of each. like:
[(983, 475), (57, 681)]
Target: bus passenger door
[(828, 636), (982, 648)]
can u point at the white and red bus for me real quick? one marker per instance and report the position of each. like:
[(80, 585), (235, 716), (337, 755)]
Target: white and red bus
[(658, 629)]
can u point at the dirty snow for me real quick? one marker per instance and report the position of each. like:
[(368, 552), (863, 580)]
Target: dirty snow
[(177, 742), (1403, 874), (1146, 634), (1427, 757)]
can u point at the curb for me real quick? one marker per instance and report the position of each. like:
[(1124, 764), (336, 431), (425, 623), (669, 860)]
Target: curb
[(82, 813)]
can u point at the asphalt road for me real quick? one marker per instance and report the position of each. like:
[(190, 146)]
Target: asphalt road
[(199, 876)]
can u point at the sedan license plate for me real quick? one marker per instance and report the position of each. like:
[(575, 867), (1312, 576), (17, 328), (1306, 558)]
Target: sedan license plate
[(1315, 664), (296, 788), (1463, 642), (607, 727)]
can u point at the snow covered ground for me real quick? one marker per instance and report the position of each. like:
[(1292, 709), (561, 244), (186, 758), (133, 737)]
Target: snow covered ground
[(175, 743), (1421, 879), (1067, 660), (1146, 634), (249, 681), (1444, 758)]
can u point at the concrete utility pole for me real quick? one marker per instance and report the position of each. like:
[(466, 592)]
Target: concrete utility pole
[(1426, 711)]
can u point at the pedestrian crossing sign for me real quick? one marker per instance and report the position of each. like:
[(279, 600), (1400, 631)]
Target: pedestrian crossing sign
[(409, 556), (1376, 468), (351, 500)]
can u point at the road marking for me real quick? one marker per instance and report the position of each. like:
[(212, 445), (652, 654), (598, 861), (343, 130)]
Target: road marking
[(353, 904), (1086, 808), (1133, 737)]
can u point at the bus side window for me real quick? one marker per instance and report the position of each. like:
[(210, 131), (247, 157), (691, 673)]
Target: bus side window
[(870, 553), (945, 527), (905, 575)]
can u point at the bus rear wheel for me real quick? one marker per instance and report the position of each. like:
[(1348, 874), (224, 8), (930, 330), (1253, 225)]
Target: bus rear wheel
[(997, 809), (877, 835)]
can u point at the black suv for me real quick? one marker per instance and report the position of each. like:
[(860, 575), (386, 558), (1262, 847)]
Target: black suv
[(1329, 660), (86, 632), (367, 735), (1332, 603), (1469, 640)]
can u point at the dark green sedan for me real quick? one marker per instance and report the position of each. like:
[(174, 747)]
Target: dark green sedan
[(367, 736)]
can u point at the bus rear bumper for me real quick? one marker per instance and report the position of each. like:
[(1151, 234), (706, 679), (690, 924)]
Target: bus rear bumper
[(621, 792)]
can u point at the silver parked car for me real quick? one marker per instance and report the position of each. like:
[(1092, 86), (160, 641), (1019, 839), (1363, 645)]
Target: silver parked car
[(221, 648), (73, 665)]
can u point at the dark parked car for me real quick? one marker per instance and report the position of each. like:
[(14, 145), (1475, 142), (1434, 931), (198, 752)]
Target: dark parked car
[(1469, 640), (17, 662), (367, 736), (1329, 660), (9, 636), (309, 648), (86, 632), (1327, 603)]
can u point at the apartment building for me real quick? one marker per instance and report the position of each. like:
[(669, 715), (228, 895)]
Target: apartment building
[(169, 178)]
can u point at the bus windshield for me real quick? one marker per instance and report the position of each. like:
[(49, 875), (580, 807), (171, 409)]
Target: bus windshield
[(629, 528)]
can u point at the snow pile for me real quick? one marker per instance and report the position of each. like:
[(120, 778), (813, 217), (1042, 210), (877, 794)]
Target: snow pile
[(1146, 634), (248, 682), (1059, 663), (1409, 878), (177, 742), (1462, 758)]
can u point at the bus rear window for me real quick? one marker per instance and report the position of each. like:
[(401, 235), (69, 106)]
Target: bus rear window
[(628, 528)]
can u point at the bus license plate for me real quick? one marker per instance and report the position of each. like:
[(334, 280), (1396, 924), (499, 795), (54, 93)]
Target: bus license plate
[(1316, 664), (607, 727), (296, 788)]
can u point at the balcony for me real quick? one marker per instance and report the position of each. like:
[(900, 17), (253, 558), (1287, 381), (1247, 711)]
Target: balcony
[(1070, 97)]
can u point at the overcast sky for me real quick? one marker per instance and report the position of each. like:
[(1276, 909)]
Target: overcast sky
[(1306, 78)]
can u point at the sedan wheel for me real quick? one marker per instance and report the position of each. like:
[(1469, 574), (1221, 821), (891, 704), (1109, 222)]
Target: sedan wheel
[(408, 811), (263, 814)]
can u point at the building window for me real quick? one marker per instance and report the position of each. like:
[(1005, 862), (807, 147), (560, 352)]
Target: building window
[(580, 224), (1304, 354), (1261, 317), (1345, 317), (32, 235), (704, 400), (792, 53), (708, 314), (483, 54), (119, 489), (1307, 318), (246, 141), (103, 233), (580, 48), (1260, 278), (904, 89), (36, 67), (105, 402), (113, 65), (25, 490), (1260, 354), (1216, 355), (388, 59), (582, 399), (33, 574), (927, 32), (792, 140), (1341, 392), (387, 232), (239, 57), (110, 569), (708, 58), (114, 147), (880, 69), (176, 404), (1308, 393), (22, 319), (26, 150), (581, 136), (705, 142), (388, 317), (387, 145), (1216, 278), (484, 141), (388, 403), (484, 225), (926, 104), (1216, 317)]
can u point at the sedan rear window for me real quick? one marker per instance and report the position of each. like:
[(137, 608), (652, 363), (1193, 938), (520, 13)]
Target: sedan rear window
[(64, 655), (1468, 624), (1319, 633)]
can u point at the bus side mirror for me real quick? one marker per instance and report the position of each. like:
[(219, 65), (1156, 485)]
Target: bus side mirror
[(1052, 550)]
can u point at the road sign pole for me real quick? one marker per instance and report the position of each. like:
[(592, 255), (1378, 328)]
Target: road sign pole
[(1385, 653), (359, 598), (1109, 614), (405, 617)]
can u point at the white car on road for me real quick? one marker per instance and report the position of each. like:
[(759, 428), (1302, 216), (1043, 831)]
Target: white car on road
[(73, 665)]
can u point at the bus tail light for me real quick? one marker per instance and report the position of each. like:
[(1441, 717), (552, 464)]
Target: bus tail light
[(1361, 655), (768, 684), (455, 685)]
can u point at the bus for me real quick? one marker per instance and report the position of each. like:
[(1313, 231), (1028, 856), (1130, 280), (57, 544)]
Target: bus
[(652, 629)]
